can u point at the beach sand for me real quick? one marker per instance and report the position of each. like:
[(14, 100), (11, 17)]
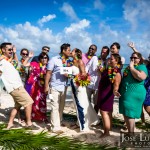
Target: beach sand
[(92, 136)]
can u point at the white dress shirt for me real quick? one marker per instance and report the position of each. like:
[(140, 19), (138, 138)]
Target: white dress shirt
[(10, 76), (91, 69)]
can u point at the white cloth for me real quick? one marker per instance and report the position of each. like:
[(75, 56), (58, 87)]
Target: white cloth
[(91, 68), (123, 60), (57, 104), (10, 76), (85, 113)]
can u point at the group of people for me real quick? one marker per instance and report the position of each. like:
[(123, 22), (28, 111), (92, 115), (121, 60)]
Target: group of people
[(94, 81)]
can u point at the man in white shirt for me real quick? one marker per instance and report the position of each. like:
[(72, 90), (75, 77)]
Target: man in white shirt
[(91, 68), (14, 87)]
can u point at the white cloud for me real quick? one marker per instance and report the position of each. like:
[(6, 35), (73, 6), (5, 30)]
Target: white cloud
[(28, 36), (69, 11), (46, 19), (76, 27), (136, 12), (77, 34), (98, 5)]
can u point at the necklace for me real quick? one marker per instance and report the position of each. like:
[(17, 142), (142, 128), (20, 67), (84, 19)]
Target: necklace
[(66, 62), (22, 68), (101, 64), (112, 72), (99, 60), (126, 70), (89, 57), (8, 59), (41, 74)]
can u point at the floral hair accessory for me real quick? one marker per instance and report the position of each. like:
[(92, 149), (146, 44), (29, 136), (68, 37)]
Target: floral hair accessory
[(82, 80)]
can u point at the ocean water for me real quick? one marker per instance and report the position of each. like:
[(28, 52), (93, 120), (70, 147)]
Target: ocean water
[(124, 66)]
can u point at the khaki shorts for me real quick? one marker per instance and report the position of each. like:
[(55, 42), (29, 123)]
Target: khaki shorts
[(21, 97)]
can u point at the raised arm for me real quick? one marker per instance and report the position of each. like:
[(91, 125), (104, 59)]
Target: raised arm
[(15, 57), (131, 44), (26, 63), (139, 75)]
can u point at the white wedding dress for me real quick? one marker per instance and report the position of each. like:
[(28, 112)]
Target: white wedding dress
[(85, 112)]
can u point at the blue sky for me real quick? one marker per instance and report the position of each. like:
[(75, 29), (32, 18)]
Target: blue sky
[(34, 23)]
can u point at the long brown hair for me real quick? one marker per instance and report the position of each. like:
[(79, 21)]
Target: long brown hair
[(140, 57), (117, 58), (78, 53)]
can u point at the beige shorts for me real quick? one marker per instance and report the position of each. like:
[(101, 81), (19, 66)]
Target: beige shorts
[(21, 97)]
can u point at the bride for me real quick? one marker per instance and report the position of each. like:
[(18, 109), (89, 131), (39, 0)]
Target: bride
[(85, 113)]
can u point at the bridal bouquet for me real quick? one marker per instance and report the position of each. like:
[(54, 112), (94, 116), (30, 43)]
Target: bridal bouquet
[(82, 80)]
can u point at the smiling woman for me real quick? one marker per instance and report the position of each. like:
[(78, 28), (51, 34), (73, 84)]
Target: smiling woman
[(133, 84)]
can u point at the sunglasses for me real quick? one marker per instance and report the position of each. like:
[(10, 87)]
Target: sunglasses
[(10, 49), (92, 49), (134, 58), (44, 58), (24, 54), (46, 50)]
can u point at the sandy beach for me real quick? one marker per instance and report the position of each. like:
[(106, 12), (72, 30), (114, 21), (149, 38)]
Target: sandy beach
[(92, 136)]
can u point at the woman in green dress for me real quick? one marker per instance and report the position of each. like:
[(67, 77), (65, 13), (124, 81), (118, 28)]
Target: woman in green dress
[(132, 90)]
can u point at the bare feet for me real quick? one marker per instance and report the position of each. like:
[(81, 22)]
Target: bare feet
[(104, 135), (74, 126), (9, 126)]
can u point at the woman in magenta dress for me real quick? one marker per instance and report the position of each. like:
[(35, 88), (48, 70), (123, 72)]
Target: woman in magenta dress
[(35, 87), (108, 87)]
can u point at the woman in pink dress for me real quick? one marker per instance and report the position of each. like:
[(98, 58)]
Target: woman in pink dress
[(35, 87)]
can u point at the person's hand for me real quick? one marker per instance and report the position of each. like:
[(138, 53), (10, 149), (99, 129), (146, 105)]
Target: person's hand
[(131, 64), (14, 49), (116, 93), (66, 74), (131, 44), (46, 90), (31, 54)]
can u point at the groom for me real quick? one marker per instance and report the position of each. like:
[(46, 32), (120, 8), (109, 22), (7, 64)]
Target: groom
[(56, 82)]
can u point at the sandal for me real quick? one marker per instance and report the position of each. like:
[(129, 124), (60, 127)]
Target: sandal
[(31, 127)]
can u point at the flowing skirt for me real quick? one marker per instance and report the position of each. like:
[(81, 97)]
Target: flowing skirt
[(85, 112)]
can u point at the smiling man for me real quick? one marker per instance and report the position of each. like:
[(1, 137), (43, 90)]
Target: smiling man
[(45, 49), (13, 84)]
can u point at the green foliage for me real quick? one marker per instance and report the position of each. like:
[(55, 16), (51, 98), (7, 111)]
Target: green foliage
[(22, 139)]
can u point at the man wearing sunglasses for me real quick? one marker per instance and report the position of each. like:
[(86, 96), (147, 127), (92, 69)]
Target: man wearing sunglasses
[(91, 62), (9, 52), (45, 49), (13, 84)]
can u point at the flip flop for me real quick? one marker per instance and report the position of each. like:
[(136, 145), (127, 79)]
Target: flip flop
[(31, 127)]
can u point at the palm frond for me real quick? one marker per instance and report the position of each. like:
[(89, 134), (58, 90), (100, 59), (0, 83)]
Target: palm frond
[(21, 139)]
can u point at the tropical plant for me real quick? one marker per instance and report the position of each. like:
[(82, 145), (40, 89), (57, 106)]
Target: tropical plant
[(21, 139)]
